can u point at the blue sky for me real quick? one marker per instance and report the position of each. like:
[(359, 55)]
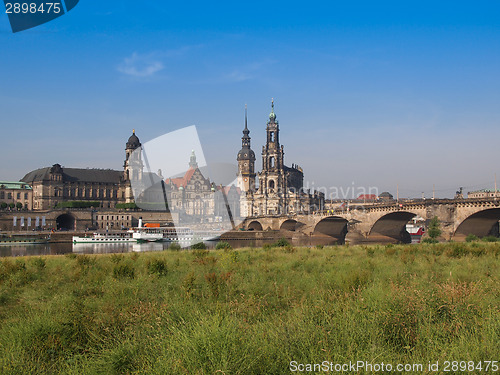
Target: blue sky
[(379, 93)]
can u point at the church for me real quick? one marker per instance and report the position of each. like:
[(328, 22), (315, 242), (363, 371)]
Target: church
[(277, 189)]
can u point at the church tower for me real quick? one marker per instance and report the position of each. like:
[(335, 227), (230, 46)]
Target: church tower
[(133, 161), (271, 179), (246, 161), (192, 160)]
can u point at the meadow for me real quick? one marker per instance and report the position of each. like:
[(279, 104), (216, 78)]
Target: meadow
[(249, 311)]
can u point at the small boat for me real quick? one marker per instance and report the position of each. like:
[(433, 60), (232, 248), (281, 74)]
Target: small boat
[(96, 238)]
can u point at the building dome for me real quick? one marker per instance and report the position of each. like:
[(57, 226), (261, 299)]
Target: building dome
[(386, 196), (246, 154), (133, 142)]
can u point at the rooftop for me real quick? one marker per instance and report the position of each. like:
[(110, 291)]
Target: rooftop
[(76, 174)]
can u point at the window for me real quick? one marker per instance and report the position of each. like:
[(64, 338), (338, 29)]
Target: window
[(271, 137), (2, 195), (271, 162), (18, 195), (25, 195), (271, 184), (9, 195)]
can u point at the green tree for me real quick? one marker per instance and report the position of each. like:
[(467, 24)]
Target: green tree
[(434, 231), (11, 206), (19, 205), (4, 205)]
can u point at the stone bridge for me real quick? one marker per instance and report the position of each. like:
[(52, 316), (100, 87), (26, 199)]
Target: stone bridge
[(387, 222)]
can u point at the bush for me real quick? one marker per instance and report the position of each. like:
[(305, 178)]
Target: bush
[(126, 206), (157, 267), (3, 205), (434, 231), (490, 239), (282, 242), (121, 271), (223, 245), (199, 246), (471, 238), (19, 205), (175, 246), (78, 204)]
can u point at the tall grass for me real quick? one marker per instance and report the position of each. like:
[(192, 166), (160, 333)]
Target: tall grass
[(249, 311)]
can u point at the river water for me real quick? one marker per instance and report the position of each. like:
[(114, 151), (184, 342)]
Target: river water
[(64, 248)]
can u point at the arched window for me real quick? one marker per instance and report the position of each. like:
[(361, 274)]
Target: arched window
[(271, 137), (271, 162), (271, 184)]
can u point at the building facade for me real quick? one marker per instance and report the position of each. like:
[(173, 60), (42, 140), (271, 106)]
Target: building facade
[(54, 185), (18, 195), (280, 188), (197, 199), (485, 193)]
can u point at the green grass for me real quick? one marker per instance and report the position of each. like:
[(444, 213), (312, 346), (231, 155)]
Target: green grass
[(249, 311)]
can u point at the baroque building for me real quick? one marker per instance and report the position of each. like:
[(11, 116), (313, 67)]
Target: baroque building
[(54, 185), (196, 199), (280, 188)]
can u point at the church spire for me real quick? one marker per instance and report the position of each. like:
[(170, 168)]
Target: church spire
[(272, 115), (246, 131), (246, 122), (245, 140)]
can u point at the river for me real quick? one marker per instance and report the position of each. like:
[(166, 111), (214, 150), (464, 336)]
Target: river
[(68, 247)]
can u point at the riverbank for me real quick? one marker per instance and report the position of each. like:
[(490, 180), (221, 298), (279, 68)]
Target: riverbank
[(249, 311)]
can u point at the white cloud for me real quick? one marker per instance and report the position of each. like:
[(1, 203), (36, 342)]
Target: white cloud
[(247, 71), (140, 66)]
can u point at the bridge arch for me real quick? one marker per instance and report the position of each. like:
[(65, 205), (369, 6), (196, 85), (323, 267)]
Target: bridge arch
[(332, 226), (66, 221), (291, 225), (255, 225), (482, 223), (392, 226)]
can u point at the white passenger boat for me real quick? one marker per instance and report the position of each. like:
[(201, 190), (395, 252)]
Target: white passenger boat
[(121, 237), (173, 234)]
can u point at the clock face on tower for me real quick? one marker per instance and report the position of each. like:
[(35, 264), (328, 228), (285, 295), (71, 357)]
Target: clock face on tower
[(246, 179)]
